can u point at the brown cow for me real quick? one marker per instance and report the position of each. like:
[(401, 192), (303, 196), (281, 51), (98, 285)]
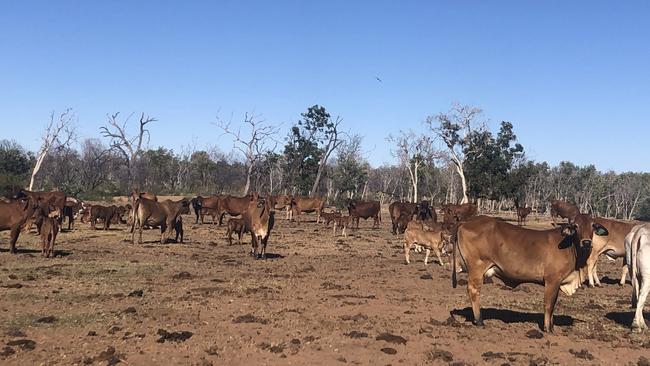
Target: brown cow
[(612, 246), (57, 199), (237, 226), (397, 209), (426, 212), (163, 214), (233, 206), (206, 211), (403, 221), (282, 202), (553, 258), (330, 217), (71, 209), (49, 228), (365, 210), (522, 213), (105, 213), (259, 218), (307, 204), (435, 240), (457, 213), (205, 205), (14, 215), (564, 209)]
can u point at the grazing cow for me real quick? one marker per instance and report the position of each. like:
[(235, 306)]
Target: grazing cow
[(402, 222), (397, 209), (14, 215), (522, 213), (553, 258), (435, 240), (365, 210), (564, 210), (233, 206), (637, 248), (105, 213), (49, 228), (457, 213), (237, 226), (57, 199), (203, 205), (259, 218), (282, 202), (308, 205), (164, 214), (330, 217), (612, 246), (344, 222)]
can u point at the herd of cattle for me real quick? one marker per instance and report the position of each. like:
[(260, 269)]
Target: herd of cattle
[(559, 258)]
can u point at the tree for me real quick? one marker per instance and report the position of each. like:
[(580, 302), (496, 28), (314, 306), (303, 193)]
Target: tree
[(455, 128), (15, 164), (58, 134), (302, 157), (253, 144), (413, 152), (129, 147), (350, 173)]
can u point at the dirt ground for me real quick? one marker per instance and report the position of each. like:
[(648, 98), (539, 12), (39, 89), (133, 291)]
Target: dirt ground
[(318, 300)]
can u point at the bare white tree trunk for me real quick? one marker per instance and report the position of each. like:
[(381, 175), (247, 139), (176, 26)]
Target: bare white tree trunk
[(52, 139)]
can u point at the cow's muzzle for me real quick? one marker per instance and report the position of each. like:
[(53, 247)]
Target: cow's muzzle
[(586, 243)]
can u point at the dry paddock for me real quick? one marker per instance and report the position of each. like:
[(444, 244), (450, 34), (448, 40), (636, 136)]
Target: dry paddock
[(317, 300)]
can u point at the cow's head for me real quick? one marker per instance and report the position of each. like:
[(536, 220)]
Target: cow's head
[(579, 233)]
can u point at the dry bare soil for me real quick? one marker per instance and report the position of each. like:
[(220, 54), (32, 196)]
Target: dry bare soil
[(318, 299)]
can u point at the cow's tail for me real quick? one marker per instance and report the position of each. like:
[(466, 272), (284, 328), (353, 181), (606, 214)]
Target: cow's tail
[(634, 247)]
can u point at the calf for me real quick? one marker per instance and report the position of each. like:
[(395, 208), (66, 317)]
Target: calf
[(207, 211), (343, 222), (49, 229), (259, 218), (429, 239), (522, 213), (553, 258), (330, 217), (282, 202), (235, 226), (178, 227), (365, 210), (637, 248)]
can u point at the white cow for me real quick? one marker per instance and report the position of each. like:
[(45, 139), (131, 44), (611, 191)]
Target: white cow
[(637, 252)]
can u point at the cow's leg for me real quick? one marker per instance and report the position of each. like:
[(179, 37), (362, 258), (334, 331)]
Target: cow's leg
[(334, 228), (591, 269), (638, 324), (13, 239), (595, 275), (229, 235), (345, 233), (551, 290), (394, 226), (439, 257), (407, 251), (426, 256), (624, 271), (474, 282)]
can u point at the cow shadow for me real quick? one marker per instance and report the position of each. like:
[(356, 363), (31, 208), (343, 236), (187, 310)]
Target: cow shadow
[(57, 253), (624, 318), (511, 316), (274, 256), (611, 281)]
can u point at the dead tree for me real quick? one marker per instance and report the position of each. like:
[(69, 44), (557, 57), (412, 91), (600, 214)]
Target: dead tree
[(129, 147), (58, 134), (413, 152), (253, 143), (333, 138)]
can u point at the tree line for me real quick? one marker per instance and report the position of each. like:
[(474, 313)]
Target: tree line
[(457, 159)]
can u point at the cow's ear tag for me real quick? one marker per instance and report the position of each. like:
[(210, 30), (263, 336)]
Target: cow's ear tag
[(600, 230)]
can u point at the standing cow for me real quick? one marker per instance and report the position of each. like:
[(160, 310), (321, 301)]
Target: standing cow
[(637, 247), (14, 215), (365, 210), (259, 218), (398, 209), (164, 214)]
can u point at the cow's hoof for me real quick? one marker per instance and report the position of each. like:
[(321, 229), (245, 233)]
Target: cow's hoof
[(478, 323), (636, 328)]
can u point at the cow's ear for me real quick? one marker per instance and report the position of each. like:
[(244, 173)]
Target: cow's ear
[(599, 229), (568, 230)]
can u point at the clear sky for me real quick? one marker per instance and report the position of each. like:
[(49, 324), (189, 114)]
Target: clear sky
[(572, 76)]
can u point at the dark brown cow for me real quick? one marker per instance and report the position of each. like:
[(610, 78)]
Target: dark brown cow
[(237, 226), (612, 245), (456, 213), (14, 215), (403, 221), (330, 217), (49, 229), (282, 202), (522, 213), (564, 209), (426, 212), (105, 213), (203, 205), (71, 209), (397, 209), (365, 210), (308, 205), (158, 214), (553, 258), (259, 218), (343, 222), (233, 206)]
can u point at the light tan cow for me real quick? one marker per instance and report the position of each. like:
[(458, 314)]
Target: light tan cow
[(612, 246), (431, 240)]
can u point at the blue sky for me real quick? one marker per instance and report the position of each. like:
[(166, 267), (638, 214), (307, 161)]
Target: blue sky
[(572, 76)]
